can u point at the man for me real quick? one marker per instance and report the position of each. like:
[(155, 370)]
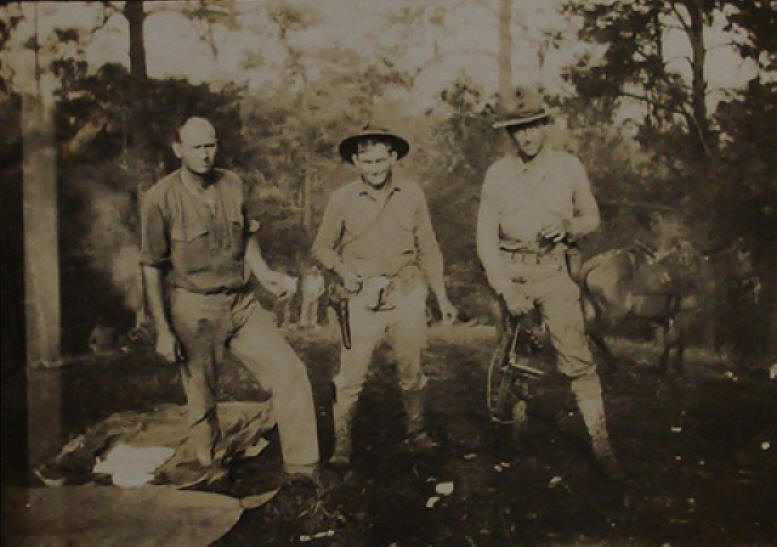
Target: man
[(198, 223), (312, 289), (377, 236), (534, 204)]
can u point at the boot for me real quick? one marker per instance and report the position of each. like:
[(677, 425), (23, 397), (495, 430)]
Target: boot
[(203, 436), (342, 414), (414, 407), (588, 393)]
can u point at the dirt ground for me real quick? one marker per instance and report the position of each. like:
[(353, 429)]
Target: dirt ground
[(700, 452)]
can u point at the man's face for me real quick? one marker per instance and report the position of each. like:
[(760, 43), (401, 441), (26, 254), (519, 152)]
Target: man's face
[(529, 138), (375, 161), (197, 149)]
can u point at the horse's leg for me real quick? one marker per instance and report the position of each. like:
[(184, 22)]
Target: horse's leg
[(678, 358), (607, 355), (664, 361)]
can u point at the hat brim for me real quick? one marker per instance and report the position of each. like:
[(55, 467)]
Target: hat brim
[(521, 120), (349, 146)]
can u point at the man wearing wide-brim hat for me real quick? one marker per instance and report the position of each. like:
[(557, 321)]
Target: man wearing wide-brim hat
[(377, 237), (535, 203)]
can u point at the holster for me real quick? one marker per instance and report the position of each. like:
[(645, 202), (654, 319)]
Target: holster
[(574, 261), (338, 299)]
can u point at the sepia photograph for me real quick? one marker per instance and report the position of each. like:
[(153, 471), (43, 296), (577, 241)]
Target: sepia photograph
[(408, 272)]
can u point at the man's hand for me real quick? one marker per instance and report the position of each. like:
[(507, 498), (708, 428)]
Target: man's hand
[(352, 281), (168, 346), (448, 311), (279, 284), (552, 232), (517, 303)]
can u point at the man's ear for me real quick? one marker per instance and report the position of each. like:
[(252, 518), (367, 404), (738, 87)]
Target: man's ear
[(177, 149), (355, 158)]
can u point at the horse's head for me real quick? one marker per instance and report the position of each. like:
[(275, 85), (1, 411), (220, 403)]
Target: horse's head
[(683, 262)]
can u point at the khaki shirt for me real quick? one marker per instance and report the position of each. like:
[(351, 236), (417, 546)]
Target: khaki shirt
[(518, 199), (200, 235), (377, 236)]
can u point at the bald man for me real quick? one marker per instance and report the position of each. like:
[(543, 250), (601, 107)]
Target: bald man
[(198, 224)]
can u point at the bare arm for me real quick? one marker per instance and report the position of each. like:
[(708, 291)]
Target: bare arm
[(167, 345), (281, 285), (154, 257)]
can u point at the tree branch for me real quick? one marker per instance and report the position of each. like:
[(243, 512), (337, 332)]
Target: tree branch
[(686, 26), (440, 56), (653, 102)]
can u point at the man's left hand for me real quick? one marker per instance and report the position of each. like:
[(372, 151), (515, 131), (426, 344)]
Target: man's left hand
[(447, 310), (281, 285), (553, 232)]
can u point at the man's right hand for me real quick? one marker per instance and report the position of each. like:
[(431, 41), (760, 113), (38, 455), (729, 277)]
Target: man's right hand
[(168, 346), (352, 281)]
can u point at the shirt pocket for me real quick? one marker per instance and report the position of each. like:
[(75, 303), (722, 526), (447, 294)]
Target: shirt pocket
[(190, 246)]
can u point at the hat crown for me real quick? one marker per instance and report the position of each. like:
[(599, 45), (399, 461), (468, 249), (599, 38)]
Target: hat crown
[(523, 107), (528, 100), (376, 126), (373, 129)]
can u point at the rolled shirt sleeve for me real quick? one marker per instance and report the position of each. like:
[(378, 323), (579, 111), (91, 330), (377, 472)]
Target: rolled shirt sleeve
[(154, 231)]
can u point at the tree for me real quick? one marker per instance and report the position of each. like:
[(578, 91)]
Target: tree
[(635, 64)]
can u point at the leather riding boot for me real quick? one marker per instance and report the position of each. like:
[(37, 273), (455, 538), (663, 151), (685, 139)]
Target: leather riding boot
[(588, 393), (414, 403), (342, 414)]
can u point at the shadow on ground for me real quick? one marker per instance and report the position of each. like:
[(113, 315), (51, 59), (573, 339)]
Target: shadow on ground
[(699, 451)]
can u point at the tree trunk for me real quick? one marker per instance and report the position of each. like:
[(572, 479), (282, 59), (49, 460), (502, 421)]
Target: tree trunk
[(41, 245), (135, 15), (42, 308), (505, 47), (700, 123)]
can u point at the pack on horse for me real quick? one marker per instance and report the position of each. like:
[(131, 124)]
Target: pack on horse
[(658, 286)]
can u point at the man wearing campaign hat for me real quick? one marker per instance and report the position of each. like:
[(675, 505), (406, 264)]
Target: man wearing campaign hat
[(536, 203), (377, 237)]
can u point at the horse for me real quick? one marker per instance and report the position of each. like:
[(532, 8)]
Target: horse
[(660, 287)]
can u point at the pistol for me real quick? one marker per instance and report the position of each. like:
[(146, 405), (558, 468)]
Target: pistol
[(339, 302)]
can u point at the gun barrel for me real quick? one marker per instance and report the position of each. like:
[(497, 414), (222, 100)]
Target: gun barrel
[(345, 323), (526, 369)]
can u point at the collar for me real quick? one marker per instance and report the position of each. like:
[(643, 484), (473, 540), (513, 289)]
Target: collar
[(366, 190), (537, 162), (203, 194)]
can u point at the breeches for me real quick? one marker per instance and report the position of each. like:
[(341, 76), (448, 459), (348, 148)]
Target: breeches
[(558, 298), (404, 326)]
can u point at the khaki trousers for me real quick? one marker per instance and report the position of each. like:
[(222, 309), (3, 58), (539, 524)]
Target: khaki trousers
[(546, 284), (405, 328), (205, 324)]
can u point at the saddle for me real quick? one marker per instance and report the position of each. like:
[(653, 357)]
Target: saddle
[(648, 276)]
